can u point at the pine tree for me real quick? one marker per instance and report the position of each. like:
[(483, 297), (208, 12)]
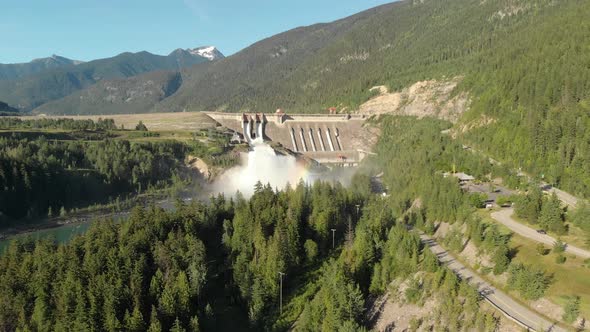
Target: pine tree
[(349, 236), (135, 322), (501, 260), (177, 327), (430, 261), (155, 325), (183, 294), (551, 216)]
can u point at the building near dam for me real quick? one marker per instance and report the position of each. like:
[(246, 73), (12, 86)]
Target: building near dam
[(327, 139)]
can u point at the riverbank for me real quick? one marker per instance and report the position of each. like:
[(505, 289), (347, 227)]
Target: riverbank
[(74, 220)]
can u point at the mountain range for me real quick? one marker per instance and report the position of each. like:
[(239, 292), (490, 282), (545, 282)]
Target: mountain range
[(310, 69), (521, 68), (18, 70), (29, 85)]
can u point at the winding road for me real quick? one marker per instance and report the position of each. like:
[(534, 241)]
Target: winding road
[(498, 299), (566, 198), (504, 216)]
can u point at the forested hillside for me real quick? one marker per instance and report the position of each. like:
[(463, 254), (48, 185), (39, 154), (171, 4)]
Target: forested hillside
[(531, 104), (49, 167), (137, 94), (30, 91), (40, 177), (18, 70), (524, 66), (216, 266), (312, 68), (4, 108)]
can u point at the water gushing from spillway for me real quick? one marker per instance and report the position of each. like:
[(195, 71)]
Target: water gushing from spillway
[(264, 165)]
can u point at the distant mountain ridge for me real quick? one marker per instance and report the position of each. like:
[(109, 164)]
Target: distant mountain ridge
[(56, 77), (18, 70), (4, 108), (135, 94), (313, 68)]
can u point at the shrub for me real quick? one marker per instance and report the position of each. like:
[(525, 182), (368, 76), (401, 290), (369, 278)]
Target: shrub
[(501, 260), (454, 240), (414, 291), (415, 324), (560, 259), (141, 127), (503, 200), (571, 309), (477, 200), (559, 247), (541, 250)]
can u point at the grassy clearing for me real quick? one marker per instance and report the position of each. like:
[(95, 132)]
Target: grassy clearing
[(575, 235), (569, 278), (183, 121)]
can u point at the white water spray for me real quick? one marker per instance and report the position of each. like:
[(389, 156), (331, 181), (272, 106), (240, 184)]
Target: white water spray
[(264, 165)]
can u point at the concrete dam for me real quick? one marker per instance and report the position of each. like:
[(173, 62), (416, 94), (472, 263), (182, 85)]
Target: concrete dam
[(327, 139)]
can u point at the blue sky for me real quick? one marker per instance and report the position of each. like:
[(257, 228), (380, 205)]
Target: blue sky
[(90, 29)]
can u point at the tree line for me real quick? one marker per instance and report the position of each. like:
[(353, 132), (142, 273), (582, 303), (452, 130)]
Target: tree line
[(216, 266), (38, 177), (50, 123)]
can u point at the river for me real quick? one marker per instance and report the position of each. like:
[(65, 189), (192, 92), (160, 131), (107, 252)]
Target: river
[(73, 226), (60, 234), (261, 164)]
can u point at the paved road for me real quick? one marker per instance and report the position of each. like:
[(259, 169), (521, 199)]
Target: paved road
[(504, 303), (566, 198), (504, 216)]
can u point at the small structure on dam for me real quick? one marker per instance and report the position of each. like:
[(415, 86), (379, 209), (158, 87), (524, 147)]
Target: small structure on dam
[(327, 139)]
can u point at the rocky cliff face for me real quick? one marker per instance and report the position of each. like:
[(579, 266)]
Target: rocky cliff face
[(422, 99)]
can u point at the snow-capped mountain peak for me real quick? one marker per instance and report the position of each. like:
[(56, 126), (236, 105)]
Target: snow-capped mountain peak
[(209, 52)]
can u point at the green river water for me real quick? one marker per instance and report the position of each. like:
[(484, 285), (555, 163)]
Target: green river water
[(64, 233), (61, 234)]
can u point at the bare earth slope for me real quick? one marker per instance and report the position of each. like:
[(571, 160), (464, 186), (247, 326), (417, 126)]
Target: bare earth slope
[(426, 98)]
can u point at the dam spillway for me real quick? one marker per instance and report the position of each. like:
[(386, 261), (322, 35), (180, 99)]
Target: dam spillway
[(327, 139)]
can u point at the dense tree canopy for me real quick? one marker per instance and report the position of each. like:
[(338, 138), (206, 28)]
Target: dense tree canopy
[(216, 266), (39, 174)]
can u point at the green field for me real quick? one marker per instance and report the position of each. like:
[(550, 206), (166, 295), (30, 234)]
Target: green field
[(179, 121), (570, 278), (575, 235)]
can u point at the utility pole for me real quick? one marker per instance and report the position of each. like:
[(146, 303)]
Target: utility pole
[(333, 232), (281, 274)]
